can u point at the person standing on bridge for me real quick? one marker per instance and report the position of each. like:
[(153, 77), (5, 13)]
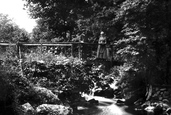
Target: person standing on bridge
[(102, 50)]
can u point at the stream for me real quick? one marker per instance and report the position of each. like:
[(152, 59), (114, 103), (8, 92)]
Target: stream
[(106, 107)]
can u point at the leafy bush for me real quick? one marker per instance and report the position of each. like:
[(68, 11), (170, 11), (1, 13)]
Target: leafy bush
[(61, 73)]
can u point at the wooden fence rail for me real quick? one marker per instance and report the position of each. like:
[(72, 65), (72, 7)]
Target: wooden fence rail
[(81, 49)]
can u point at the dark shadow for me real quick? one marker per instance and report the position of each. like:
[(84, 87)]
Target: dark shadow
[(131, 109), (7, 109)]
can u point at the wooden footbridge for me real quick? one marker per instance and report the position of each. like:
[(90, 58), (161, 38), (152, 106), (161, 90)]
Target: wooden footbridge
[(76, 49), (82, 48)]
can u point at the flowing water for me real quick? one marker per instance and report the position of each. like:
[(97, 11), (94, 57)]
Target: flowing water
[(107, 107)]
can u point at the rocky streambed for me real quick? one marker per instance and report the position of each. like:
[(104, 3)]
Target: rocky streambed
[(106, 106), (158, 104), (103, 102)]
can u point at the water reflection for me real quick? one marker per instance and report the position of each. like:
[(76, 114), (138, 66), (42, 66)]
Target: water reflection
[(106, 107)]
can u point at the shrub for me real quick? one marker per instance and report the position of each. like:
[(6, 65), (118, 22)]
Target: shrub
[(61, 73)]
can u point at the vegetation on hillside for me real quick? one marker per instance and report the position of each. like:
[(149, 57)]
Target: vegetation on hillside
[(139, 30)]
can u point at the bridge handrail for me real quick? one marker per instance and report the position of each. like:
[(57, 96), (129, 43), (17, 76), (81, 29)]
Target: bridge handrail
[(66, 44), (44, 44), (38, 44)]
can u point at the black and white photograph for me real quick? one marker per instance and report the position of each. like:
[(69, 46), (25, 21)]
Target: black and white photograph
[(85, 57)]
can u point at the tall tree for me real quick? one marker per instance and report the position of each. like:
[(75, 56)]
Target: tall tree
[(87, 17), (41, 32), (146, 35), (59, 15), (9, 31)]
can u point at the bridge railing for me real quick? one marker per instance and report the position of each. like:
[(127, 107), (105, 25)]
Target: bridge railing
[(77, 49)]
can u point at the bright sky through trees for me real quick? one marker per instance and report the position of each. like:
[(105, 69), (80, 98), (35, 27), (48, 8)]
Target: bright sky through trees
[(14, 8)]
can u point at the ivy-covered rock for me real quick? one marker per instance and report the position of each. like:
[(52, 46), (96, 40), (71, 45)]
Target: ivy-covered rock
[(46, 94), (52, 109)]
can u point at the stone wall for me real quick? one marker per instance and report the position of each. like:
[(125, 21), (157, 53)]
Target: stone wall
[(159, 102), (162, 94)]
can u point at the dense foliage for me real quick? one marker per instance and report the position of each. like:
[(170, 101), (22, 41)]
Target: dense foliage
[(146, 37), (10, 32), (69, 19), (139, 30)]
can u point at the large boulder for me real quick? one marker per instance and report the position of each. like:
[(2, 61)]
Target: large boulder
[(69, 96), (154, 110), (93, 101), (52, 109), (27, 109), (46, 94)]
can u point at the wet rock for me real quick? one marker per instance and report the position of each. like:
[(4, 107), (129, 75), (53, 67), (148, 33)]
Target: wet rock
[(150, 110), (27, 109), (50, 109), (146, 104), (93, 101), (120, 101)]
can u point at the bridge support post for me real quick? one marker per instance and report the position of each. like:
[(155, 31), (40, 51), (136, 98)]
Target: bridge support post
[(72, 50)]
